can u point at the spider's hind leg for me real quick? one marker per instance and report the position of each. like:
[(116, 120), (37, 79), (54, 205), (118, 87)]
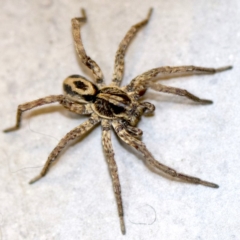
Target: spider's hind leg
[(108, 149), (140, 146)]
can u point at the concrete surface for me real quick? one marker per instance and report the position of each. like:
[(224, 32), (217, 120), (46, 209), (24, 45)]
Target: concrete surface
[(75, 200)]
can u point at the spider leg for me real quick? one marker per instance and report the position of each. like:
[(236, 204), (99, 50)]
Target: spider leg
[(142, 80), (92, 65), (83, 109), (27, 106), (178, 91), (140, 146), (108, 150), (136, 132), (73, 134), (74, 107), (119, 57)]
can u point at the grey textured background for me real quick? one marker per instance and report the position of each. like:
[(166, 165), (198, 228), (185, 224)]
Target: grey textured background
[(75, 200)]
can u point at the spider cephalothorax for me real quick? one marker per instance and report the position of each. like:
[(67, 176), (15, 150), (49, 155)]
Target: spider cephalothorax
[(118, 107)]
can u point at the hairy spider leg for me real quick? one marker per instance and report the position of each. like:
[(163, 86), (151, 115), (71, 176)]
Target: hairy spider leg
[(82, 109), (144, 80), (140, 146), (86, 60), (119, 57), (70, 136), (109, 153)]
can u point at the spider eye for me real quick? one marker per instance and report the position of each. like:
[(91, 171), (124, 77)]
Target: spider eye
[(80, 89)]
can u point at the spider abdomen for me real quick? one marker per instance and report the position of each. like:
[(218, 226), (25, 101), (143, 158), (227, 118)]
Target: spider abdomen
[(80, 89)]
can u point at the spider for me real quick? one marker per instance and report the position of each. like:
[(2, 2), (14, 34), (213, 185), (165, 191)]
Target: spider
[(114, 107)]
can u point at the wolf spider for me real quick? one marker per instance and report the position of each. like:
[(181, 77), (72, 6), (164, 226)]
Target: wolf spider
[(114, 107)]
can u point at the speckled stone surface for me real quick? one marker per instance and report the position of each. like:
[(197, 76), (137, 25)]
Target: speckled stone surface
[(75, 200)]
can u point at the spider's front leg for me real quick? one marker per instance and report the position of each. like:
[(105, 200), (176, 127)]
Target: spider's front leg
[(145, 80), (36, 103), (119, 58), (140, 146), (86, 60), (108, 150), (73, 134)]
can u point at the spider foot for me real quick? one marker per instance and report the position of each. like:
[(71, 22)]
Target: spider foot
[(11, 129), (208, 184), (84, 16), (205, 101), (35, 179), (149, 13), (192, 179), (122, 225), (192, 97), (224, 68)]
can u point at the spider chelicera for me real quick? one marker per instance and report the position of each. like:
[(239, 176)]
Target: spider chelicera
[(114, 107)]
